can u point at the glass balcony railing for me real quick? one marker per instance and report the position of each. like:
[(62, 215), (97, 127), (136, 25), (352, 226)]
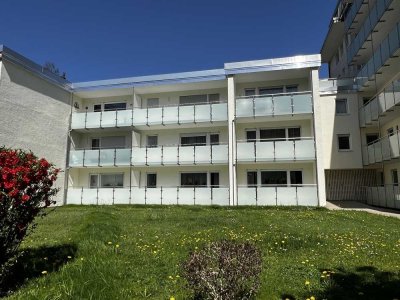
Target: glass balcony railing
[(384, 149), (211, 112), (376, 13), (334, 85), (380, 104), (149, 196), (148, 156), (389, 46), (355, 7), (303, 195), (277, 150), (274, 105), (385, 196)]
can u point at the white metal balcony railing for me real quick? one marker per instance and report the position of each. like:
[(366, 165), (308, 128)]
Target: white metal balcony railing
[(274, 105), (384, 149), (305, 195), (165, 115), (276, 150), (148, 156), (380, 104), (367, 28), (384, 196), (387, 49)]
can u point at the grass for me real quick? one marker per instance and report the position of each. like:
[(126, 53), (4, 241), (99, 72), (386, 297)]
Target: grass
[(133, 252)]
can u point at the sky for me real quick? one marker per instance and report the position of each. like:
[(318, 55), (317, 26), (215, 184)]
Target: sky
[(100, 39)]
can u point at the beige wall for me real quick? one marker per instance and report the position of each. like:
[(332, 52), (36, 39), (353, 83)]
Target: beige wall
[(34, 115), (302, 82), (332, 125)]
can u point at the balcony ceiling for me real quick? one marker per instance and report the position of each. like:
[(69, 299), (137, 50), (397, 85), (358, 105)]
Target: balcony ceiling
[(272, 75)]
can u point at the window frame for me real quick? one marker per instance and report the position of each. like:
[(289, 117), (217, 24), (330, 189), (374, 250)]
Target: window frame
[(346, 105), (100, 183), (147, 180), (338, 143)]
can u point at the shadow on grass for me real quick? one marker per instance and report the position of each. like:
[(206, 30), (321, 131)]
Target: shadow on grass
[(362, 283), (32, 262)]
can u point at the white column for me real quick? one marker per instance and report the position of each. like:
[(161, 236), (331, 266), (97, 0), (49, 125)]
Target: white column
[(317, 120), (232, 141)]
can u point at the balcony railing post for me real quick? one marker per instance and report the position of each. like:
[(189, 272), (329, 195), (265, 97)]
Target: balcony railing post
[(162, 155), (161, 198), (115, 157), (84, 156), (276, 196), (273, 105), (179, 110), (211, 115), (81, 195), (162, 115), (194, 195), (292, 103), (101, 119), (98, 159), (194, 154), (113, 199), (145, 195), (97, 196), (147, 116), (211, 154), (177, 156), (116, 118), (132, 116), (294, 149), (297, 196), (177, 195), (194, 113), (146, 156), (274, 143), (254, 150), (85, 119), (256, 195), (254, 107)]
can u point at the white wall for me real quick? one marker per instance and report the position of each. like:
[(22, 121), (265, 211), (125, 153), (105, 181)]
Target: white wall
[(34, 115), (332, 125), (303, 85)]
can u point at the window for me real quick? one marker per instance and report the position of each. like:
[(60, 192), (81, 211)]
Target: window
[(395, 177), (270, 91), (390, 131), (292, 88), (152, 102), (197, 99), (371, 138), (250, 92), (200, 140), (114, 106), (252, 178), (344, 142), (108, 142), (213, 98), (296, 177), (272, 134), (97, 107), (341, 106), (193, 179), (294, 133), (151, 181), (152, 141), (214, 178), (214, 139), (95, 144), (273, 178), (251, 136), (106, 180)]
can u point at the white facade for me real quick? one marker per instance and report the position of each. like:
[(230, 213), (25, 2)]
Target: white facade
[(266, 132)]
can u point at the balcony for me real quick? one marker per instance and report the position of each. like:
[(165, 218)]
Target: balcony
[(384, 196), (151, 156), (303, 195), (380, 104), (367, 28), (384, 149), (387, 49), (140, 117), (353, 12), (278, 150), (150, 196), (333, 85), (274, 105)]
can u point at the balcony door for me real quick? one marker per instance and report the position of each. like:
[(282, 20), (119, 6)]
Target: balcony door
[(194, 179)]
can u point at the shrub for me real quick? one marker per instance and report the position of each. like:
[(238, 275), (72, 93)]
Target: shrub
[(25, 191), (224, 270)]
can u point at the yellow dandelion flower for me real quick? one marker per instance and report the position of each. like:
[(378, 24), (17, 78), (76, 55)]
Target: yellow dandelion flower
[(172, 298), (110, 243), (44, 272), (116, 246), (307, 282), (312, 298)]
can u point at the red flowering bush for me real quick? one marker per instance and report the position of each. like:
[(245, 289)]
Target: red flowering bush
[(26, 189)]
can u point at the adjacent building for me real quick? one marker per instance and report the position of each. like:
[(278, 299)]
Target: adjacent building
[(265, 132)]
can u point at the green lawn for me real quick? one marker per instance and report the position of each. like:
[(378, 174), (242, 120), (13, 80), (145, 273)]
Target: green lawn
[(135, 252)]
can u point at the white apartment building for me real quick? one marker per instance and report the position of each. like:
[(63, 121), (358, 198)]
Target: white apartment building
[(265, 132)]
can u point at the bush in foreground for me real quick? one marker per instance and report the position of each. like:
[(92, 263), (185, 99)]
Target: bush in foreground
[(26, 189), (224, 270)]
